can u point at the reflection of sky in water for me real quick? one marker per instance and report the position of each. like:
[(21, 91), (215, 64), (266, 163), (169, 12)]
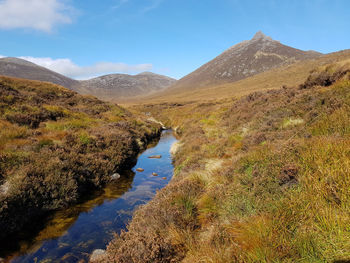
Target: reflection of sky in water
[(96, 220)]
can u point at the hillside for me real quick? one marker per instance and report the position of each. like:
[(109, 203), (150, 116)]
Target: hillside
[(262, 178), (20, 68), (122, 86), (56, 146), (243, 60), (288, 75)]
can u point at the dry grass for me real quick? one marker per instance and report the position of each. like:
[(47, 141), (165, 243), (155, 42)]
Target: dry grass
[(263, 178)]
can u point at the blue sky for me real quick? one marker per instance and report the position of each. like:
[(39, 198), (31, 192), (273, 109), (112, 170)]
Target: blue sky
[(173, 37)]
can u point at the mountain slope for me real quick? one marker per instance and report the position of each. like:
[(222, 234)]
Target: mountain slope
[(287, 75), (119, 86), (245, 59), (20, 68)]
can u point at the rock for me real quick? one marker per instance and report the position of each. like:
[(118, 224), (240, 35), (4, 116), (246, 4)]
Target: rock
[(97, 254), (164, 178), (115, 176), (154, 174), (155, 156), (140, 169), (61, 245), (69, 258), (175, 148)]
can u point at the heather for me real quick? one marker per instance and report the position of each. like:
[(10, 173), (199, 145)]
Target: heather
[(56, 146)]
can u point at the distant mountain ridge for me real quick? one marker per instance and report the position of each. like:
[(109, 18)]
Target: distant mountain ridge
[(119, 86), (243, 60), (108, 87)]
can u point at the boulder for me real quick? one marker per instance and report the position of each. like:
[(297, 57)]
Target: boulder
[(155, 156), (97, 255), (115, 176)]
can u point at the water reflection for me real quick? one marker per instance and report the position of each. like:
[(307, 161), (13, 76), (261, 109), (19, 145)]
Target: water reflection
[(71, 235)]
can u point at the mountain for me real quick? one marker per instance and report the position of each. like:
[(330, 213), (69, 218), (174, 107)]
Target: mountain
[(20, 68), (108, 87), (286, 75), (245, 59), (119, 86)]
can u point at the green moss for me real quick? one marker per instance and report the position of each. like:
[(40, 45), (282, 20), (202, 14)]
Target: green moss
[(292, 122), (85, 139)]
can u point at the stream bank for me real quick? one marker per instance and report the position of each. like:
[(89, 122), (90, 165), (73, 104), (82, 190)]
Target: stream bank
[(72, 234)]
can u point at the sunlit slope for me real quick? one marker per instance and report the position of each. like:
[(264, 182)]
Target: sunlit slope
[(290, 75), (261, 178)]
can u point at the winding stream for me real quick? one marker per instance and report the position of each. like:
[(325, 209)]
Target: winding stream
[(72, 234)]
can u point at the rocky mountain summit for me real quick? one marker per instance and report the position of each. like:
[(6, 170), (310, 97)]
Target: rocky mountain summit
[(245, 59)]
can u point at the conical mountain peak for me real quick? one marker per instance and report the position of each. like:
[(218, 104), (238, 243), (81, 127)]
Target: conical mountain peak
[(243, 60), (261, 36)]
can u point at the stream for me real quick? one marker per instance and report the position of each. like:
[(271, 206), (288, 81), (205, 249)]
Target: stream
[(72, 234)]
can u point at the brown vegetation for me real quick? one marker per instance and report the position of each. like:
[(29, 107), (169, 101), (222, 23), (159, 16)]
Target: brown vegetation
[(263, 178), (55, 145)]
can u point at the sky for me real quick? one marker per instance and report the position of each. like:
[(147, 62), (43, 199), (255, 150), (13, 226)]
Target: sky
[(87, 38)]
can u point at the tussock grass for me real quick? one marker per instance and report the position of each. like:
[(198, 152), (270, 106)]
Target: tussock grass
[(263, 178)]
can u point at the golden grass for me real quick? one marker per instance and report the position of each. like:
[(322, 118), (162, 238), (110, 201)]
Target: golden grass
[(269, 175)]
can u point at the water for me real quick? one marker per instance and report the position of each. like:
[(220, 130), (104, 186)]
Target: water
[(71, 235)]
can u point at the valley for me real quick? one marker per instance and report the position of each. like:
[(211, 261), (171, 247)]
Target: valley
[(259, 170)]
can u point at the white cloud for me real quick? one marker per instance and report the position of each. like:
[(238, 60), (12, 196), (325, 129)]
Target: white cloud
[(41, 15), (68, 68)]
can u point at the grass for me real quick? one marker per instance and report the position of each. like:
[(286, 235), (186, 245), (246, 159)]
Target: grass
[(262, 178)]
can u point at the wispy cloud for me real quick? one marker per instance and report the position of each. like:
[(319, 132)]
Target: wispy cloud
[(144, 7), (68, 68), (119, 4), (42, 15), (153, 5)]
